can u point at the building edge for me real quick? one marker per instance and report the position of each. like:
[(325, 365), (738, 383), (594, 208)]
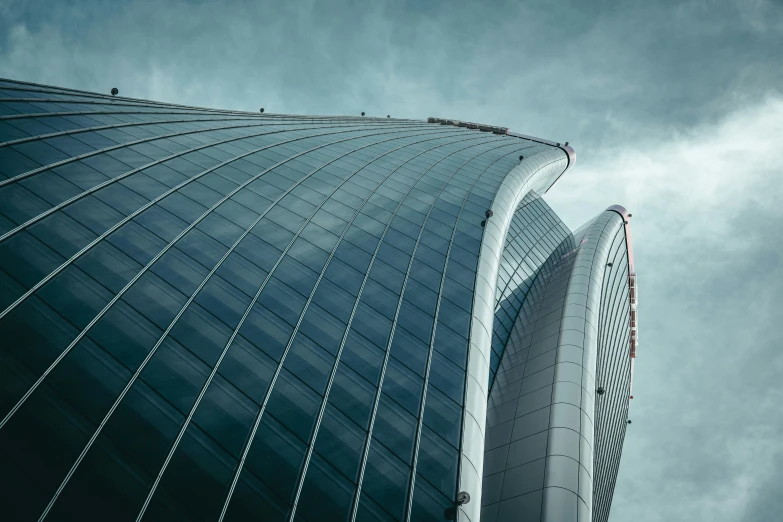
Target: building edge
[(582, 290), (537, 172), (633, 288)]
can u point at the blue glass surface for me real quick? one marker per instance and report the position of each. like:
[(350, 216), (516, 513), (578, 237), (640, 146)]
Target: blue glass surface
[(209, 312)]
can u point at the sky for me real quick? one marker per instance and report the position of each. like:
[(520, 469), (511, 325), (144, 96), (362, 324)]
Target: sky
[(675, 110)]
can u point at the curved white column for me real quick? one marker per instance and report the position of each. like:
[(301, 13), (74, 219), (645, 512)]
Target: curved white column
[(536, 172)]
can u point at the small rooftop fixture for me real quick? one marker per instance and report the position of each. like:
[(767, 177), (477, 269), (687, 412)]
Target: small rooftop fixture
[(488, 213), (114, 91), (470, 125), (362, 113), (262, 109), (600, 390)]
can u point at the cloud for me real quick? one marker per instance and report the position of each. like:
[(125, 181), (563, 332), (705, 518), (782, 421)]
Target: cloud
[(708, 208), (563, 72)]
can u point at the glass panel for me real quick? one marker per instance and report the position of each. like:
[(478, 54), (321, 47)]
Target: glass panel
[(386, 480)]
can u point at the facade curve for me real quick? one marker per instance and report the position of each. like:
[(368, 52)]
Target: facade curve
[(558, 407), (222, 315), (534, 173)]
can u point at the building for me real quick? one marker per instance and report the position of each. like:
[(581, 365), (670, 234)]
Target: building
[(223, 315)]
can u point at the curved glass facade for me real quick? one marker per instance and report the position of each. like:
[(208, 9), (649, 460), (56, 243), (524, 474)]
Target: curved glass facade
[(221, 315)]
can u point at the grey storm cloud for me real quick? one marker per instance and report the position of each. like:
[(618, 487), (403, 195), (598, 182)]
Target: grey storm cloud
[(675, 110)]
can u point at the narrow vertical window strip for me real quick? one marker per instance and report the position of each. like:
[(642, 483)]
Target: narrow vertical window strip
[(613, 323)]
